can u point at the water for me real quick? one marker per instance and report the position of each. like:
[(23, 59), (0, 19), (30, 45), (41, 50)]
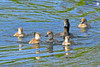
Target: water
[(42, 16)]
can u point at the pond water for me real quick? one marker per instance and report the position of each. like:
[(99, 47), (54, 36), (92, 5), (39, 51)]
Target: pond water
[(48, 15)]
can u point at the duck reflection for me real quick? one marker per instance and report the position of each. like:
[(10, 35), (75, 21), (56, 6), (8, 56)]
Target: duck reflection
[(49, 49), (37, 46), (20, 39), (67, 49), (84, 30), (20, 45)]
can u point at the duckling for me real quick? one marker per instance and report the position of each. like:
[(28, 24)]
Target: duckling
[(50, 36), (66, 29), (36, 39), (84, 24), (68, 41), (19, 33)]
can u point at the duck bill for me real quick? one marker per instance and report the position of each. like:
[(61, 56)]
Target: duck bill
[(82, 22), (46, 36)]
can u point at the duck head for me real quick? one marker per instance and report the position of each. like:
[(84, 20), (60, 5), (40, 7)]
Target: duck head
[(37, 36), (50, 35), (66, 23), (83, 21), (20, 30), (67, 39)]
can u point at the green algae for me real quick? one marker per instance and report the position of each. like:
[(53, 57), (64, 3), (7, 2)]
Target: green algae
[(81, 3)]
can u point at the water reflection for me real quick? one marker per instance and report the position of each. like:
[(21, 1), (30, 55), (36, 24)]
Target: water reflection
[(20, 45), (84, 30), (37, 46), (41, 16), (67, 49), (20, 39), (49, 49)]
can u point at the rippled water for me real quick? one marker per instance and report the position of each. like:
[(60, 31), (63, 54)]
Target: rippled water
[(42, 16)]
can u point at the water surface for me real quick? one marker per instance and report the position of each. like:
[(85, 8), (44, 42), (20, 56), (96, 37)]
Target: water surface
[(42, 16)]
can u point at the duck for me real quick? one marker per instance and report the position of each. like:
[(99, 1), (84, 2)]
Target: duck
[(50, 36), (66, 29), (67, 41), (19, 33), (36, 39), (84, 23)]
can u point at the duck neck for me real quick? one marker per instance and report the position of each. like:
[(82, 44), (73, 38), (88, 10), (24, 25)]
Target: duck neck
[(66, 40), (37, 37), (66, 30), (19, 32), (50, 37)]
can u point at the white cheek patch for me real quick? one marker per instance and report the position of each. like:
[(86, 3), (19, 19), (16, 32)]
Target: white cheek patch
[(19, 31), (66, 40), (65, 24), (37, 37)]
